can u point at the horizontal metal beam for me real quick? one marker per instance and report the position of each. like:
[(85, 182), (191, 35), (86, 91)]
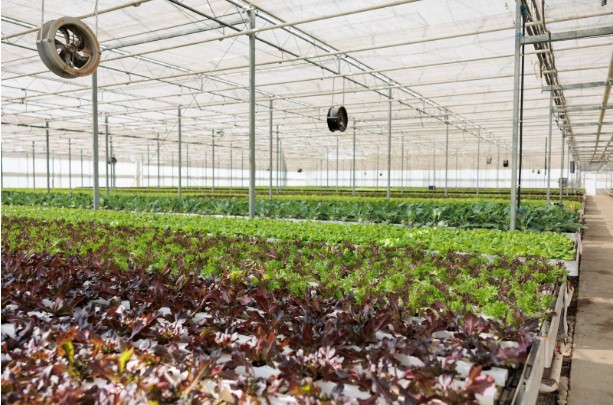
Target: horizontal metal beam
[(583, 108), (577, 86), (568, 35)]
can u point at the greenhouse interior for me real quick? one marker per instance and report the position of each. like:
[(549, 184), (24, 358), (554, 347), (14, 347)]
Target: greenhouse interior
[(288, 202)]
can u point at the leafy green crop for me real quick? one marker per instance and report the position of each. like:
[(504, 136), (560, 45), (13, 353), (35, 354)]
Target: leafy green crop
[(455, 213), (517, 243)]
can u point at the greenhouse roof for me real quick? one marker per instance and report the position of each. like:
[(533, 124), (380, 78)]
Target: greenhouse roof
[(439, 61)]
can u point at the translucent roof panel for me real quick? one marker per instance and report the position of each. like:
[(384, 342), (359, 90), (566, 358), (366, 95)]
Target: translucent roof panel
[(437, 60)]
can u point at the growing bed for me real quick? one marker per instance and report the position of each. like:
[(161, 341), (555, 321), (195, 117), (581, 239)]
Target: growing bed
[(163, 312)]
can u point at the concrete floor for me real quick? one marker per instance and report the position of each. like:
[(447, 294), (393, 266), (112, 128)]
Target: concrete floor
[(591, 378)]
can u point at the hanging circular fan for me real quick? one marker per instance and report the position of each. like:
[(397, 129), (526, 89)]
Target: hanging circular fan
[(337, 119), (68, 47)]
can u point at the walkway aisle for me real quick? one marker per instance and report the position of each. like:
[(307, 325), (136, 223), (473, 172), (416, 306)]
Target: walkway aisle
[(591, 379)]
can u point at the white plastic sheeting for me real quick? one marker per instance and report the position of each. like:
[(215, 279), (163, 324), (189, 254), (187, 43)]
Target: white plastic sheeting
[(439, 57)]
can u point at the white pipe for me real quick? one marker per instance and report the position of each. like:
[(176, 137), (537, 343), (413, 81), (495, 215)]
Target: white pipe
[(554, 374)]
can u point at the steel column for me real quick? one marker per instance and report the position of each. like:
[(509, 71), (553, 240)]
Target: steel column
[(158, 158), (402, 165), (562, 167), (446, 154), (278, 157), (549, 148), (515, 139), (337, 146), (148, 167), (95, 140), (213, 162), (112, 164), (69, 164), (49, 155), (389, 145), (270, 151), (353, 162), (478, 158), (179, 128), (498, 167), (231, 168), (252, 115), (106, 152), (82, 184), (377, 171), (327, 169), (187, 164), (33, 166)]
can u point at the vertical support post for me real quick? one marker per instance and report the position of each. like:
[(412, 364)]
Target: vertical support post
[(158, 158), (112, 164), (107, 158), (562, 168), (49, 156), (498, 167), (243, 168), (478, 158), (231, 166), (377, 171), (457, 176), (148, 167), (434, 166), (515, 140), (549, 148), (270, 151), (179, 128), (278, 157), (82, 184), (389, 144), (353, 163), (33, 166), (402, 165), (187, 164), (1, 170), (213, 162), (95, 156), (69, 164), (446, 154), (337, 146), (252, 115), (327, 169)]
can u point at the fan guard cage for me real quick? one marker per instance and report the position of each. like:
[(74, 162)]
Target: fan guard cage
[(68, 47)]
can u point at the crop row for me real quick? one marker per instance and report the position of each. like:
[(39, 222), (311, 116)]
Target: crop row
[(491, 287), (82, 329), (495, 242), (478, 214)]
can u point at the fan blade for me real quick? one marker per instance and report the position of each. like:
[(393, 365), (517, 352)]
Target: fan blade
[(80, 44), (59, 45), (66, 34), (79, 60), (65, 56)]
